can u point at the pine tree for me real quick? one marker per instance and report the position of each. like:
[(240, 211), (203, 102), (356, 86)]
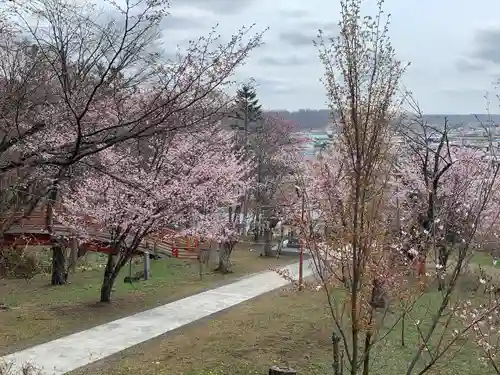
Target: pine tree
[(247, 116), (248, 110)]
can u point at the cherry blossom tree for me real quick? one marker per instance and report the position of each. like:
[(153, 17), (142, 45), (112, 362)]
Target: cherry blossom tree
[(446, 205), (275, 149), (464, 205), (353, 191), (74, 83), (479, 312), (272, 151), (181, 178), (111, 71), (442, 190), (361, 80)]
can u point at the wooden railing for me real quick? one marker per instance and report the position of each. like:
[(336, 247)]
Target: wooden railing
[(32, 230), (178, 247)]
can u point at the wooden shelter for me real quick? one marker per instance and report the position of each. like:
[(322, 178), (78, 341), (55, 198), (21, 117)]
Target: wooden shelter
[(32, 230)]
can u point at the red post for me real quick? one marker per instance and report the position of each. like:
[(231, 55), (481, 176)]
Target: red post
[(301, 252), (301, 264)]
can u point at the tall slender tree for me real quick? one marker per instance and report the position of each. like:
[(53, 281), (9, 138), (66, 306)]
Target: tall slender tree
[(246, 116)]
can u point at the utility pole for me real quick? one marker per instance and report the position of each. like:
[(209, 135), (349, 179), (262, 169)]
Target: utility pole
[(248, 111)]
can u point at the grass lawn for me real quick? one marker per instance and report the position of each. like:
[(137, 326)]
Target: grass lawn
[(40, 312), (482, 259), (281, 327)]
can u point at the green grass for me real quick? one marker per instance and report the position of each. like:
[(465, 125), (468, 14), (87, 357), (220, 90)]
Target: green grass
[(482, 259), (284, 328), (40, 312), (275, 328)]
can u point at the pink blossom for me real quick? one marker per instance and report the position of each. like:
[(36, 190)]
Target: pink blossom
[(183, 180)]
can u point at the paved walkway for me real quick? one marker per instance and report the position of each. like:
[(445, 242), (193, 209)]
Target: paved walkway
[(82, 348)]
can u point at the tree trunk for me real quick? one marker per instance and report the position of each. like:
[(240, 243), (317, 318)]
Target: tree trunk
[(443, 261), (110, 274), (74, 254), (237, 219), (256, 234), (59, 273), (282, 238), (337, 355), (225, 257), (245, 214), (403, 317), (367, 348), (268, 244), (256, 231)]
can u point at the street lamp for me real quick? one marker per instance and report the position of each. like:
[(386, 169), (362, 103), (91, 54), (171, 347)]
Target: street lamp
[(300, 194)]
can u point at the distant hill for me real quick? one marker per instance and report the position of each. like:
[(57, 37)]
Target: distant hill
[(318, 119), (307, 119)]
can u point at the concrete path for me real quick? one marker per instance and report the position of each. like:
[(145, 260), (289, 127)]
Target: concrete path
[(82, 348)]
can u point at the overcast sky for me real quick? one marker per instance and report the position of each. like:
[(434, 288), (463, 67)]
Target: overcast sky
[(453, 47)]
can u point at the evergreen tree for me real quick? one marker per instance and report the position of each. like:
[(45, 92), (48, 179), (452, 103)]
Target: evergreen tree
[(247, 116), (248, 110)]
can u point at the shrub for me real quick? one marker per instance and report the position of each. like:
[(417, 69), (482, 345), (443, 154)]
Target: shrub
[(18, 264)]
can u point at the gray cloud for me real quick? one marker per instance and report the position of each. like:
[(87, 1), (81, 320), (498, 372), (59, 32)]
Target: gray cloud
[(274, 86), (466, 93), (488, 46), (294, 13), (308, 33), (219, 6), (283, 61), (299, 87), (329, 29), (467, 66), (297, 38), (176, 22), (279, 90)]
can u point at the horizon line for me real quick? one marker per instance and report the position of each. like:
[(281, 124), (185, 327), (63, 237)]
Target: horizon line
[(425, 114)]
